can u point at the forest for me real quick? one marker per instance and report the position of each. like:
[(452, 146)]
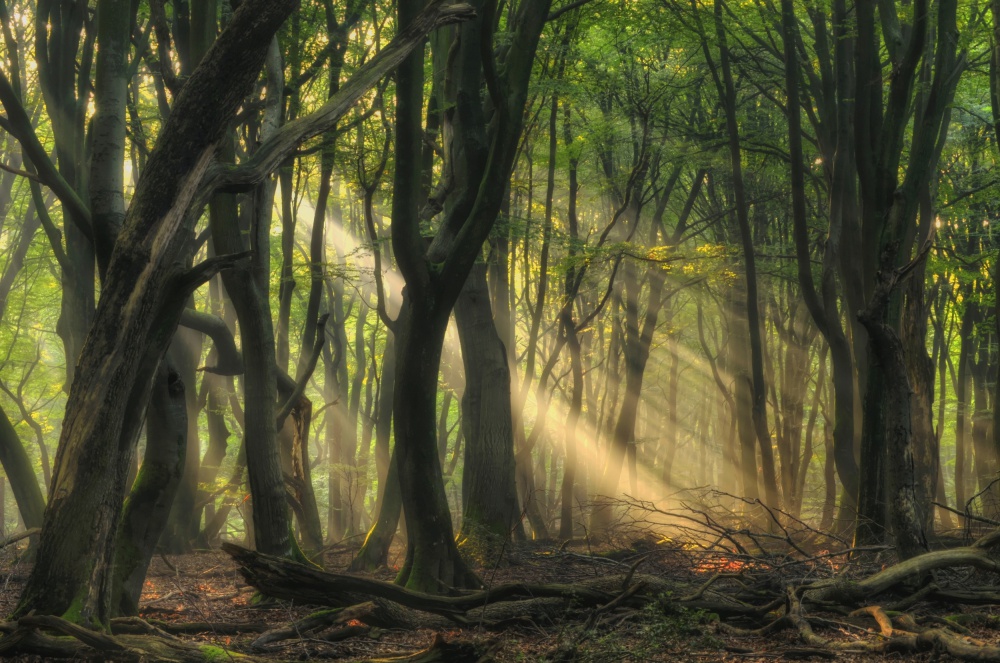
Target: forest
[(499, 330)]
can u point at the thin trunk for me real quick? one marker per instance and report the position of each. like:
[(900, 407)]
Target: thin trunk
[(962, 456), (374, 553), (18, 468), (758, 389)]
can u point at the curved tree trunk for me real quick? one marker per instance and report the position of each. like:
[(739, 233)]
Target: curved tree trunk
[(135, 320), (432, 559)]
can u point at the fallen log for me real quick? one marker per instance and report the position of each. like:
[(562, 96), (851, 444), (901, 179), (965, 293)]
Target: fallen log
[(279, 578), (493, 608), (317, 621), (849, 592)]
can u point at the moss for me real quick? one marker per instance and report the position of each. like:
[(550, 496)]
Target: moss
[(213, 654), (297, 553), (480, 543), (75, 613)]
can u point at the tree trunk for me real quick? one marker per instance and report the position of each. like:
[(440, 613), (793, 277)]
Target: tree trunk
[(738, 350), (965, 357), (904, 515), (248, 286), (982, 435), (921, 373), (432, 559), (149, 503), (758, 389), (135, 320), (374, 553), (489, 497), (185, 519), (18, 468), (435, 274)]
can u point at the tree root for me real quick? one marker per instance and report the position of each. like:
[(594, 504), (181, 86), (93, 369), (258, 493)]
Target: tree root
[(901, 634), (137, 626), (279, 578)]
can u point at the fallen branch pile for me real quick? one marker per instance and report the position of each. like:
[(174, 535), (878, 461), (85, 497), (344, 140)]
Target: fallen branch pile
[(778, 586), (799, 606)]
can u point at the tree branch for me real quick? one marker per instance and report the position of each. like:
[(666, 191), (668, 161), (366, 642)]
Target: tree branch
[(273, 152)]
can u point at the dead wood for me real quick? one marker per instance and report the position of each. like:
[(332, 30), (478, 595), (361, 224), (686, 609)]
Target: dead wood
[(317, 621), (14, 538), (283, 579), (137, 626), (851, 592)]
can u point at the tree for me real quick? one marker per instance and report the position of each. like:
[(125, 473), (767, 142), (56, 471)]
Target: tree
[(143, 297)]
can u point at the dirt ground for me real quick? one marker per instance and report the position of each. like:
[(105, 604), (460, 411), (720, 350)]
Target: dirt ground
[(205, 587)]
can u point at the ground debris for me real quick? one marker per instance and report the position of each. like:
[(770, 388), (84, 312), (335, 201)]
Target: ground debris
[(666, 601)]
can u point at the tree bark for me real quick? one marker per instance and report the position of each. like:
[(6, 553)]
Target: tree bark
[(489, 497), (149, 503)]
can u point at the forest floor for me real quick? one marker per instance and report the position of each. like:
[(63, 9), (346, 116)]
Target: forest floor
[(206, 590)]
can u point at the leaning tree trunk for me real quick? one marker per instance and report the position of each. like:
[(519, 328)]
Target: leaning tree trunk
[(758, 393), (140, 305), (20, 473)]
